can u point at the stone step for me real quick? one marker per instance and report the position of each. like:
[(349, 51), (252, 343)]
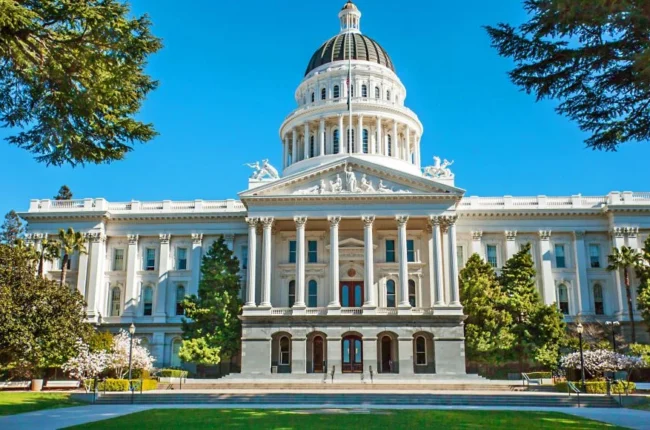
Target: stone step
[(341, 386)]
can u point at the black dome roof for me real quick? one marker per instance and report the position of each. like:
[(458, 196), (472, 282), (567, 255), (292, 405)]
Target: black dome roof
[(336, 49)]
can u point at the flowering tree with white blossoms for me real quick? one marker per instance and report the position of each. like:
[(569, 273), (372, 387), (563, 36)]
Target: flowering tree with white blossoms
[(86, 365), (599, 361), (118, 359)]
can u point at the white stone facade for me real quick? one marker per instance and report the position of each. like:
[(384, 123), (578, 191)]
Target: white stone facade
[(350, 258)]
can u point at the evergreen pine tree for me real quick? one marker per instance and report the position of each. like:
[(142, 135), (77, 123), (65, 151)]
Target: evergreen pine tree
[(64, 193), (11, 229), (212, 329), (487, 327)]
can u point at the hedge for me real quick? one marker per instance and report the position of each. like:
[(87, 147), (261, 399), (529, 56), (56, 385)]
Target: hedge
[(172, 373), (598, 387), (123, 384), (540, 375)]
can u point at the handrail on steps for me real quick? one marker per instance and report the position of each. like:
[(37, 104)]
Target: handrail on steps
[(572, 387)]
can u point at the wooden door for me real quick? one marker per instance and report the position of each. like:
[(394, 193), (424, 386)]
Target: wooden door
[(352, 354), (318, 354), (351, 293)]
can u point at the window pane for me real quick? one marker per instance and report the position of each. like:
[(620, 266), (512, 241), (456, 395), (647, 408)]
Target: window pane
[(410, 250), (180, 296), (599, 305), (115, 302), (390, 293), (459, 255), (390, 251), (313, 294), (336, 91), (345, 296), (412, 292), (312, 254), (358, 295), (292, 293), (118, 260), (182, 259), (150, 259), (594, 256), (563, 299), (346, 351), (244, 257), (492, 255), (292, 251), (357, 351), (148, 301), (365, 141), (560, 261)]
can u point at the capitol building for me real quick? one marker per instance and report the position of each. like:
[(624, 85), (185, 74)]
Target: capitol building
[(350, 250)]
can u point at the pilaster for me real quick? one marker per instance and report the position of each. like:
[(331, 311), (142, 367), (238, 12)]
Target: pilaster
[(511, 243), (548, 284), (404, 306), (130, 297), (197, 249), (267, 224), (95, 274), (582, 290), (160, 314), (299, 305)]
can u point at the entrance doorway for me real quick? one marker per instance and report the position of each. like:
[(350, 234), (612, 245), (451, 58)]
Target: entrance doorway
[(318, 355), (352, 352), (387, 364), (351, 294)]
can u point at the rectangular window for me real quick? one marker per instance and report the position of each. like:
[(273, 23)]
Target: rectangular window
[(118, 259), (410, 250), (292, 251), (594, 256), (181, 258), (390, 251), (244, 257), (150, 259), (560, 259), (312, 252), (491, 251), (459, 255)]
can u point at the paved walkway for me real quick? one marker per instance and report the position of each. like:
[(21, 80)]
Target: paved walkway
[(60, 418)]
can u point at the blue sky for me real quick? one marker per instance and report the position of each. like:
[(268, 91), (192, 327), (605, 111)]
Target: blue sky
[(227, 76)]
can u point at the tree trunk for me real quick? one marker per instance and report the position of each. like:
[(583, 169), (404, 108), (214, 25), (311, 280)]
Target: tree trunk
[(41, 264), (630, 307), (64, 268)]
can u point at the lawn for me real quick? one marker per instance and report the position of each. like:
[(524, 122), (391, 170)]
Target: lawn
[(19, 402), (338, 419)]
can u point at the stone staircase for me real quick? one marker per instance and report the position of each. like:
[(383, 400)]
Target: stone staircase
[(286, 386), (320, 400)]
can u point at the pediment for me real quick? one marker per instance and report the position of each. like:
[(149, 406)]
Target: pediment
[(351, 243), (352, 176)]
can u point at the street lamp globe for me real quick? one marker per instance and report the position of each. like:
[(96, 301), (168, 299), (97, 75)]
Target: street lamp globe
[(579, 328), (132, 329)]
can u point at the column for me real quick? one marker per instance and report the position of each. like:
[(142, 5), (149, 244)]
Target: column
[(407, 143), (437, 258), (418, 161), (395, 141), (300, 262), (294, 147), (403, 263), (130, 297), (284, 152), (197, 249), (342, 137), (306, 141), (453, 262), (252, 252), (334, 304), (95, 273), (369, 281), (548, 284), (477, 247), (160, 312), (82, 276), (267, 224), (618, 240), (380, 141), (511, 244), (582, 290), (321, 137), (405, 354), (360, 135)]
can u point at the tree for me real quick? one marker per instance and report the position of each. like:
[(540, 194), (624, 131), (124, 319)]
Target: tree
[(101, 341), (643, 291), (625, 260), (49, 250), (86, 364), (118, 357), (590, 55), (538, 329), (71, 242), (487, 327), (41, 321), (12, 228), (212, 329), (599, 361), (64, 193), (72, 78)]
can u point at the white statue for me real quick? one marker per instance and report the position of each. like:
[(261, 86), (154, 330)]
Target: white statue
[(256, 167), (322, 188), (350, 180), (337, 185), (366, 185), (383, 188), (265, 171), (438, 169), (271, 171)]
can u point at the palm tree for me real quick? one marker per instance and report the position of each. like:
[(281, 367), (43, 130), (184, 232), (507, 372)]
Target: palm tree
[(71, 242), (625, 259), (49, 251)]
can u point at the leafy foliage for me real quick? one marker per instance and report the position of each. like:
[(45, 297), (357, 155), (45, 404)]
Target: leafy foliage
[(626, 259), (49, 250), (100, 341), (64, 193), (599, 361), (72, 78), (643, 291), (11, 229), (118, 357), (592, 56), (212, 329), (71, 241)]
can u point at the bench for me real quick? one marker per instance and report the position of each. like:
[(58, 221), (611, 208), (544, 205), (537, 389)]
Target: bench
[(62, 384), (15, 385)]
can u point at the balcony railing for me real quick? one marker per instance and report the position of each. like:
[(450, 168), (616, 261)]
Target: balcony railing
[(163, 206), (322, 311), (545, 202)]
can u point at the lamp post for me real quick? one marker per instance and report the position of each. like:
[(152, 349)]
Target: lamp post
[(580, 329), (131, 332), (613, 324)]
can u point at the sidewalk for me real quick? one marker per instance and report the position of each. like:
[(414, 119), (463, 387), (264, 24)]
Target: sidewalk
[(65, 417)]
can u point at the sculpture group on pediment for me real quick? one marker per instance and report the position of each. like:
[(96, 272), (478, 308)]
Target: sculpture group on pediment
[(336, 185), (263, 171), (439, 170)]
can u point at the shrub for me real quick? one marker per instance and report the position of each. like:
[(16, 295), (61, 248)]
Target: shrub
[(123, 384), (598, 387), (540, 375), (172, 373)]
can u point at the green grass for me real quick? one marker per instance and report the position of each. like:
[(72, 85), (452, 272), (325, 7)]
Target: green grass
[(17, 403), (643, 405), (340, 419)]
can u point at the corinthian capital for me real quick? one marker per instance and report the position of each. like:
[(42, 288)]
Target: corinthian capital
[(334, 220), (300, 220), (401, 220), (368, 220)]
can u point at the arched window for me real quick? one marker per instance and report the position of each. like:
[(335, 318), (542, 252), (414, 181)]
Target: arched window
[(365, 141), (147, 299), (311, 145), (390, 145), (312, 294), (336, 145), (563, 299), (176, 348), (420, 350), (313, 97), (388, 95), (345, 295), (180, 296), (390, 293), (285, 352), (377, 92), (116, 303), (599, 302), (364, 91), (350, 140), (323, 93), (336, 92), (292, 293), (412, 292)]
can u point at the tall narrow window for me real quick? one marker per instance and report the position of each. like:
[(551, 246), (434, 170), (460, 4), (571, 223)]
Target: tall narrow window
[(312, 146), (351, 90), (365, 141), (116, 303), (459, 255), (150, 259), (285, 354), (412, 292), (312, 294), (410, 250), (563, 299), (388, 95), (176, 349), (350, 140), (345, 295), (594, 256), (390, 251), (118, 260), (147, 299), (336, 142), (390, 145), (292, 293), (390, 293), (181, 258), (599, 302), (337, 92), (323, 93), (377, 92), (292, 251), (560, 259), (244, 257), (491, 251), (313, 97), (420, 351), (364, 91), (312, 251), (180, 296)]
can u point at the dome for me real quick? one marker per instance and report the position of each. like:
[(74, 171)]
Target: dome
[(349, 6), (336, 49)]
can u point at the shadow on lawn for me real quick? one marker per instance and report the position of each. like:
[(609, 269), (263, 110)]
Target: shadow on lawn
[(20, 402)]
